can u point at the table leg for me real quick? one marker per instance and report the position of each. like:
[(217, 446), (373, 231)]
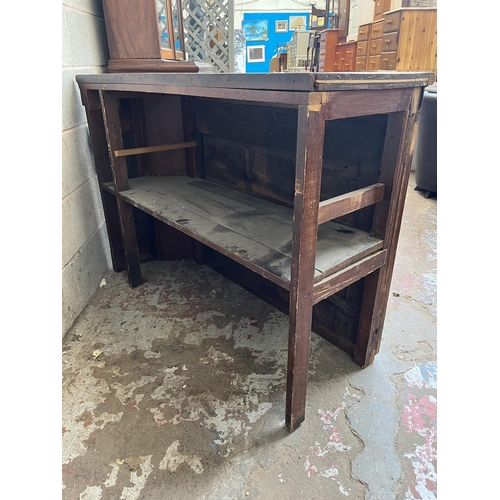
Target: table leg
[(112, 128), (310, 135)]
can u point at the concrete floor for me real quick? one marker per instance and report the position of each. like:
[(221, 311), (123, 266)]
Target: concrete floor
[(176, 390)]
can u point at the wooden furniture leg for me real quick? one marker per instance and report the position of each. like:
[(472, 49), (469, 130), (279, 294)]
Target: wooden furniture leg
[(112, 129), (99, 143), (310, 135), (387, 222)]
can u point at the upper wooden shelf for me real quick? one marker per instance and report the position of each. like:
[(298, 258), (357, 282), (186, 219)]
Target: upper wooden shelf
[(255, 232)]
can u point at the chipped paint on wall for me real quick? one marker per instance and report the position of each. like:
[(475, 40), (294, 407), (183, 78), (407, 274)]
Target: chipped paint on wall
[(420, 417)]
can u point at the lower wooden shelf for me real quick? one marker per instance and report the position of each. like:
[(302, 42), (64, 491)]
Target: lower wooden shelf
[(254, 232)]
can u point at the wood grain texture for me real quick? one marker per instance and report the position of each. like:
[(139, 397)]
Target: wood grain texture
[(132, 29), (154, 149), (349, 275), (388, 214), (349, 202), (163, 125), (155, 66), (310, 137), (189, 135), (359, 103), (113, 131), (129, 238), (286, 87)]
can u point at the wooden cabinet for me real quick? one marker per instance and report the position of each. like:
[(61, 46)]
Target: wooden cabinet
[(375, 45), (362, 47), (410, 40), (147, 36), (329, 40), (334, 56), (292, 185), (380, 7), (345, 56)]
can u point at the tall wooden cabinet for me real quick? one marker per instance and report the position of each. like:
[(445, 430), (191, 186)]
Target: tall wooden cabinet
[(329, 40)]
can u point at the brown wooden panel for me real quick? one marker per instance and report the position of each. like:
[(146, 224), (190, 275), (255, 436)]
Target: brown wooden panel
[(163, 124), (339, 281), (375, 47), (172, 244), (360, 63), (154, 66), (154, 149), (310, 137), (132, 29), (357, 139), (363, 32), (388, 60), (98, 138), (114, 232), (373, 63), (392, 21), (376, 30), (114, 138), (359, 103), (266, 172), (189, 135), (362, 48), (350, 202), (267, 126), (380, 7), (390, 41)]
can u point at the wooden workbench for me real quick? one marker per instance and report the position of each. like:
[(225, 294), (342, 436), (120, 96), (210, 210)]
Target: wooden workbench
[(292, 185)]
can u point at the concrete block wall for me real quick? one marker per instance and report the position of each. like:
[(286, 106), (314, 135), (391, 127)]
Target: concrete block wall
[(85, 249)]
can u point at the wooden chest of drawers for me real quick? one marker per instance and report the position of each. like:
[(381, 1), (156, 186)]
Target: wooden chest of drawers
[(375, 45), (409, 40), (327, 48), (345, 56), (362, 47)]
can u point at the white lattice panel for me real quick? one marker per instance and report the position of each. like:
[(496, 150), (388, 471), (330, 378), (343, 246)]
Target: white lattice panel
[(207, 30)]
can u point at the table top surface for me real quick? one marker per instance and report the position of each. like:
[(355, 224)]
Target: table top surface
[(296, 82)]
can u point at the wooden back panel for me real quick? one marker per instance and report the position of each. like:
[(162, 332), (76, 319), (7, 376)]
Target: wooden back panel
[(252, 149)]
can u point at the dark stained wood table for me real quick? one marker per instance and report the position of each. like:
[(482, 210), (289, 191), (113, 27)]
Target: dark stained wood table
[(292, 185)]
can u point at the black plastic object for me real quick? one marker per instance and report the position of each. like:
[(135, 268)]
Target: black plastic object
[(425, 154)]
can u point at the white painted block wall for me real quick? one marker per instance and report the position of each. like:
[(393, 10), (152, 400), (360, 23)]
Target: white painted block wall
[(85, 249)]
